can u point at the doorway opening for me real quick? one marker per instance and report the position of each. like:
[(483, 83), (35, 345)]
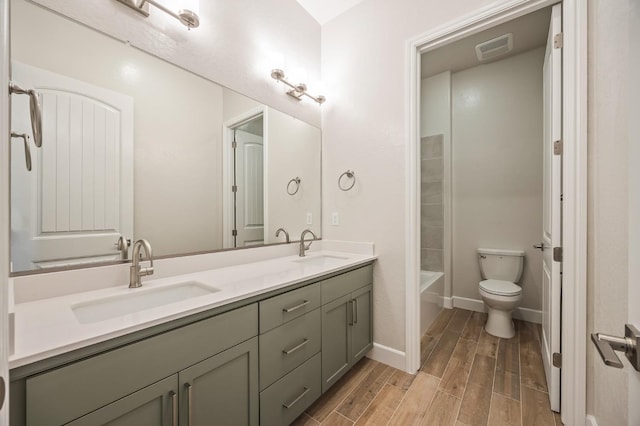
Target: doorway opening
[(573, 187), (244, 224)]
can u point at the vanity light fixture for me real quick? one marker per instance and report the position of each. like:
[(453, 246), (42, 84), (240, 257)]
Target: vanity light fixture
[(188, 17), (297, 91)]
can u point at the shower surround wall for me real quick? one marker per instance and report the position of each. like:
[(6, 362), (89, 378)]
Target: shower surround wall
[(432, 206)]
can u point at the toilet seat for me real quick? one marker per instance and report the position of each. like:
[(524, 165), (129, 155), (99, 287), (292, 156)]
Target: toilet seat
[(500, 288)]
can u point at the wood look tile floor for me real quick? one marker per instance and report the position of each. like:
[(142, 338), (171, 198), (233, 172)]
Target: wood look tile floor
[(467, 377)]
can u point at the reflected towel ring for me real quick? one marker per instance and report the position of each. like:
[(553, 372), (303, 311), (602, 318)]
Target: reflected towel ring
[(350, 174), (296, 182)]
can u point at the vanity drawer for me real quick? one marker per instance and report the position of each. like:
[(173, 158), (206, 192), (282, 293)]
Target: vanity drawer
[(287, 306), (344, 284), (282, 402), (286, 347), (64, 394)]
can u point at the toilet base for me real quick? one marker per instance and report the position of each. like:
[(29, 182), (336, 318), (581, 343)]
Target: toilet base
[(500, 324)]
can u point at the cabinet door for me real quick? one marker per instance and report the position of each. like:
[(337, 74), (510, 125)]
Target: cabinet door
[(223, 389), (362, 324), (336, 344), (155, 405)]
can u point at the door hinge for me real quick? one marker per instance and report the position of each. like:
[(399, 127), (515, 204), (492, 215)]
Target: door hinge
[(557, 359), (558, 41), (557, 147), (234, 144), (234, 188), (234, 232), (557, 254)]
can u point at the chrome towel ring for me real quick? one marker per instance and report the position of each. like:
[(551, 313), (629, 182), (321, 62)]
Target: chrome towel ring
[(293, 189), (350, 174)]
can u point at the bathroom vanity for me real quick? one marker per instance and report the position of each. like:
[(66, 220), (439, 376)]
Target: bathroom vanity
[(261, 358)]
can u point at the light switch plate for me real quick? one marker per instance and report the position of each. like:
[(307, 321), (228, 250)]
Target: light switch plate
[(335, 219)]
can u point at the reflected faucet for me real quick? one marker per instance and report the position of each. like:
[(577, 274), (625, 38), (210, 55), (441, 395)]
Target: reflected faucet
[(304, 248), (136, 272), (123, 245), (286, 234)]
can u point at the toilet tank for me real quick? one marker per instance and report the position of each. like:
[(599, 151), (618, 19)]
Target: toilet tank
[(500, 264)]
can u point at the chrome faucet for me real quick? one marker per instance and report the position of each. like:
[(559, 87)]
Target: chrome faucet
[(136, 272), (304, 248), (286, 234)]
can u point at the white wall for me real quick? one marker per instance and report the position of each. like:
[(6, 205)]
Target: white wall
[(435, 107), (608, 261), (166, 142), (296, 145), (234, 45), (497, 169), (364, 129)]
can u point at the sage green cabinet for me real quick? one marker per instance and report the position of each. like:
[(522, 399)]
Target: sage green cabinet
[(155, 405), (223, 389), (224, 346), (361, 323), (347, 333), (282, 402)]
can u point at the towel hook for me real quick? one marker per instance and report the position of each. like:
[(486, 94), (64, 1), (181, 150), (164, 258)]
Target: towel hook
[(350, 174), (293, 190)]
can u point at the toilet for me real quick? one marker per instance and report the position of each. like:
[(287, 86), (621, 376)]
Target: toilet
[(500, 270)]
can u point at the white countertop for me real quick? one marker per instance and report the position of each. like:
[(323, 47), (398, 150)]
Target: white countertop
[(48, 327)]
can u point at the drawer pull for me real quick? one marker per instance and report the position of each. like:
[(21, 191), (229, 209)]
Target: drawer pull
[(292, 403), (189, 405), (295, 308), (295, 348), (174, 408)]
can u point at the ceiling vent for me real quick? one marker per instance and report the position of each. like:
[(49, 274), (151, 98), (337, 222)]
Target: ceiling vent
[(495, 47)]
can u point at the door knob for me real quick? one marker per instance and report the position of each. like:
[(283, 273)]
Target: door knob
[(607, 345), (539, 246)]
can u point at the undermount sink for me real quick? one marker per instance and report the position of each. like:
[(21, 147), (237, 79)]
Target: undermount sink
[(137, 301), (326, 261)]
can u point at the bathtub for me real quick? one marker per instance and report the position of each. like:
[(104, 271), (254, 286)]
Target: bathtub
[(431, 297)]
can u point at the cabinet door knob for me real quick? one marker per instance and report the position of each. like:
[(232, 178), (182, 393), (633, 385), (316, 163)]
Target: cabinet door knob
[(355, 304), (189, 402), (174, 408)]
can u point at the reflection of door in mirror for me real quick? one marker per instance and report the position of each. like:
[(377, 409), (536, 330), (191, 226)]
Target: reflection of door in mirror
[(248, 187), (73, 206)]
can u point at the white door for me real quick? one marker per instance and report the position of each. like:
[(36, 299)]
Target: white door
[(634, 200), (552, 209), (4, 213), (78, 199), (249, 173)]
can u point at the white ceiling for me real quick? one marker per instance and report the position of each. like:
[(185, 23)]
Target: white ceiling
[(529, 31), (325, 10)]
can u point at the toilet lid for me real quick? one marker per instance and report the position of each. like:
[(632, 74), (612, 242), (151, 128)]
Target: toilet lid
[(500, 288)]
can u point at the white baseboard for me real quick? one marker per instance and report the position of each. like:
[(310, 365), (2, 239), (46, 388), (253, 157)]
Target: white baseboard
[(388, 356), (477, 305), (590, 421), (447, 303)]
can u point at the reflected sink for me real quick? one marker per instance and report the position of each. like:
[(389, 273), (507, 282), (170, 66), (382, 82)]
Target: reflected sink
[(117, 306), (324, 261)]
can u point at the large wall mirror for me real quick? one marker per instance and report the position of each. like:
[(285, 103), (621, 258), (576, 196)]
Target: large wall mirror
[(136, 147)]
